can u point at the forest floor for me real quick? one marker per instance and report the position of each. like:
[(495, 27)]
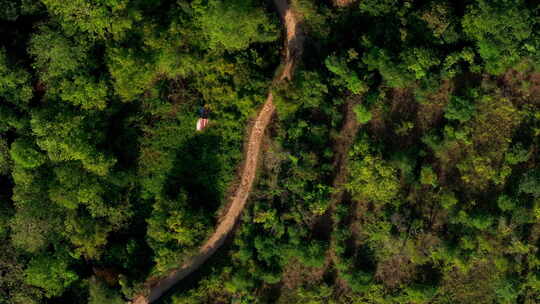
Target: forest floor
[(343, 3), (156, 287), (342, 145)]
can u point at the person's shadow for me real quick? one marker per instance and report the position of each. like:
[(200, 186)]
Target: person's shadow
[(198, 171)]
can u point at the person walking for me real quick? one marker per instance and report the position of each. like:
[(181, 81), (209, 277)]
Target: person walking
[(202, 122)]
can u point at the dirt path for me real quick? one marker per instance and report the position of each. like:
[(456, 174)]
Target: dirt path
[(343, 3), (293, 47), (342, 145)]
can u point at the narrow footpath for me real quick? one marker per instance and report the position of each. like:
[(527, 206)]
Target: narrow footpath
[(342, 145), (156, 287)]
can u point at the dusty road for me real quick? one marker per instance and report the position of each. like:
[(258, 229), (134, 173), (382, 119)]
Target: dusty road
[(156, 287)]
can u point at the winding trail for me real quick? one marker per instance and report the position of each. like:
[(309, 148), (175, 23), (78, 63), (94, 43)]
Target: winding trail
[(156, 287), (342, 145)]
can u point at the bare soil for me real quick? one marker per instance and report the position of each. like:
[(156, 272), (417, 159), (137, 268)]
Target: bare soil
[(343, 3), (342, 144), (156, 287), (429, 114)]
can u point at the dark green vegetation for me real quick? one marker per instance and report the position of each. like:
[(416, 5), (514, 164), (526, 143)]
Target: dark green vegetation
[(103, 181)]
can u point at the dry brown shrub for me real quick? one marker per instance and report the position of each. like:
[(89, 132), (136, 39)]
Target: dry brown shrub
[(296, 274), (430, 113), (395, 271), (473, 286)]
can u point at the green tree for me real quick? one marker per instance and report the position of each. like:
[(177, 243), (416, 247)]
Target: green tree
[(13, 9), (14, 81), (373, 179), (506, 203), (13, 289), (99, 293), (133, 71), (442, 21), (500, 29), (307, 92), (84, 91), (36, 222), (420, 61), (73, 185), (30, 231), (379, 7), (363, 115), (530, 183), (67, 67), (51, 273), (517, 154), (448, 200), (25, 153), (396, 75), (101, 19), (345, 76), (57, 56), (88, 235), (174, 228), (5, 159), (234, 24), (67, 135), (428, 176)]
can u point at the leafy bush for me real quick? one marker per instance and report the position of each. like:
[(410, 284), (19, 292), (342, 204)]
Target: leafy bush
[(460, 109), (530, 183), (5, 160), (25, 153), (14, 81), (428, 176), (363, 115), (50, 273), (99, 293), (499, 30), (234, 24), (345, 76), (372, 179)]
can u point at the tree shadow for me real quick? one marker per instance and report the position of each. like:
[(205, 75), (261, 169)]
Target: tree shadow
[(198, 170)]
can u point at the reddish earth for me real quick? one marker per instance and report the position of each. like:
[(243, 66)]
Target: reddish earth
[(342, 145), (156, 287), (343, 3)]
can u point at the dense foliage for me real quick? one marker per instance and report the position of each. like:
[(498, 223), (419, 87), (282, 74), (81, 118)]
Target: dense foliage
[(104, 181)]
